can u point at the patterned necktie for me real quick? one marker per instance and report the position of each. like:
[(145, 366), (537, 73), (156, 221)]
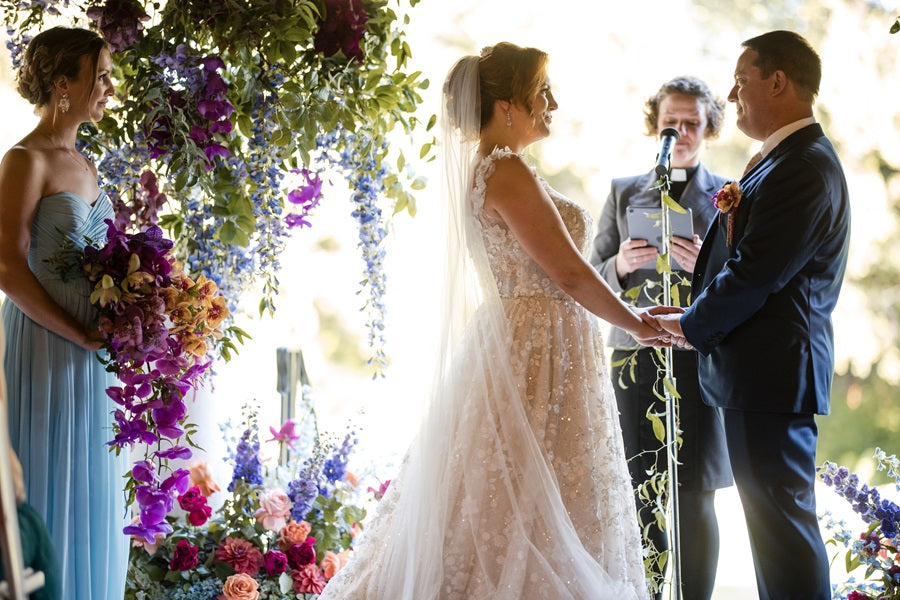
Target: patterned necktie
[(752, 163)]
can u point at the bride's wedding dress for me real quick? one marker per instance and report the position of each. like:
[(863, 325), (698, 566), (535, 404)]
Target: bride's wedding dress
[(516, 486)]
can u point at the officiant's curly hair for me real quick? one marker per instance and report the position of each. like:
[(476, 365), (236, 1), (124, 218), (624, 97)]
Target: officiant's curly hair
[(512, 73), (788, 51), (694, 87)]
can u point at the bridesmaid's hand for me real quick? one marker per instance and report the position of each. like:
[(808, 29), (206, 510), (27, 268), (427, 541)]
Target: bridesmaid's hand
[(92, 340)]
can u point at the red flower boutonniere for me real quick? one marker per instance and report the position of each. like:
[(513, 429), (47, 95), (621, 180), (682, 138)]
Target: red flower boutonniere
[(727, 201)]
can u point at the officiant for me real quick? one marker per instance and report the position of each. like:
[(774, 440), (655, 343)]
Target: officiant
[(627, 262)]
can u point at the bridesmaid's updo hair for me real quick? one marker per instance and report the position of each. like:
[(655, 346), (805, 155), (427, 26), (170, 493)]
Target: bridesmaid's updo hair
[(512, 73), (54, 53)]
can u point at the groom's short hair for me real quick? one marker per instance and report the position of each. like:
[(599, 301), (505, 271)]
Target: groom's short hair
[(789, 52)]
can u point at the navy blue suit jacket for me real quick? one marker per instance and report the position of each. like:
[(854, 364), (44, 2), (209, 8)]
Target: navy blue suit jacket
[(761, 316)]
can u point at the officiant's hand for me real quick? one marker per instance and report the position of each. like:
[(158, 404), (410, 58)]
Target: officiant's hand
[(633, 254), (685, 251)]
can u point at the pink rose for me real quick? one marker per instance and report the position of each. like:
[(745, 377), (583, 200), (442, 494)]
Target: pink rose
[(293, 533), (240, 587), (274, 509), (308, 580), (185, 556), (243, 556), (332, 563)]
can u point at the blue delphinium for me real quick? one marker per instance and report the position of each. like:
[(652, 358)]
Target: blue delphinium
[(247, 465), (305, 488), (335, 467)]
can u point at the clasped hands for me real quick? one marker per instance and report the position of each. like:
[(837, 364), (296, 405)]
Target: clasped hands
[(662, 327)]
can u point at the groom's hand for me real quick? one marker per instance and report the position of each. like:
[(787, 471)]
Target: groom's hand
[(669, 319), (651, 333)]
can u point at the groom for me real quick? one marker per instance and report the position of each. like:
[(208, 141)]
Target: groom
[(765, 284)]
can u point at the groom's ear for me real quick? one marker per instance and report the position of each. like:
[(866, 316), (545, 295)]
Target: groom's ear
[(778, 82)]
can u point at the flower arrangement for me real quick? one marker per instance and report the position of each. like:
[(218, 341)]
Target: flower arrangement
[(159, 328), (267, 541), (222, 101), (876, 547), (727, 200)]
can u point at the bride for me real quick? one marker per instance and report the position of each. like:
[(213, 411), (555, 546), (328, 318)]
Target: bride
[(516, 485)]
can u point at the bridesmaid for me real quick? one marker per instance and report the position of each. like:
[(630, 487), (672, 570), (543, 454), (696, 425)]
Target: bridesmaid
[(58, 409)]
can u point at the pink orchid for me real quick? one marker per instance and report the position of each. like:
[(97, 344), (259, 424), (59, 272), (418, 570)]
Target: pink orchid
[(286, 434)]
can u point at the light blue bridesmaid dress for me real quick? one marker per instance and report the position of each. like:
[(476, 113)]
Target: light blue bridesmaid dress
[(59, 413)]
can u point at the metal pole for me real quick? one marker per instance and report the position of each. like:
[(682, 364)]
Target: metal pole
[(673, 529)]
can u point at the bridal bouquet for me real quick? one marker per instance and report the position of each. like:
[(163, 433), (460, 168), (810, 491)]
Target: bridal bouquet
[(283, 532), (876, 547), (159, 328)]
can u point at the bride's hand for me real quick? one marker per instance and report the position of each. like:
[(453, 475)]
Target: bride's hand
[(649, 332)]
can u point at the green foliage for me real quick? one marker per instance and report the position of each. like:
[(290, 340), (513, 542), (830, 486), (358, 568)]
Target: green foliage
[(285, 90)]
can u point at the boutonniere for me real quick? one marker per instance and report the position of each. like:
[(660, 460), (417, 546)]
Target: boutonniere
[(727, 201)]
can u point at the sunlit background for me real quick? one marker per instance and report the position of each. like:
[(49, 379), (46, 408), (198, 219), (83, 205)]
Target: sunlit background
[(606, 58)]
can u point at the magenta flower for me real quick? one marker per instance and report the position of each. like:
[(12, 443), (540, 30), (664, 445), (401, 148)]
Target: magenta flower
[(194, 502), (275, 563), (175, 452), (299, 555), (342, 29), (119, 21), (287, 434), (184, 558)]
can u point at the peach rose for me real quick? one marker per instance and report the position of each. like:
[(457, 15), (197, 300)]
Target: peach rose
[(293, 533), (355, 530), (202, 478), (332, 563), (240, 587), (274, 509)]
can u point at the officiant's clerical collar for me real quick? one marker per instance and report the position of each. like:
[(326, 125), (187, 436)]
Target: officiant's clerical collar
[(676, 174)]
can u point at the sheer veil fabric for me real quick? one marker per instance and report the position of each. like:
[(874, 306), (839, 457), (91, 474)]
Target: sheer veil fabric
[(477, 510)]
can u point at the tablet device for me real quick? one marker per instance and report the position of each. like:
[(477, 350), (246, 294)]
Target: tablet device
[(645, 223)]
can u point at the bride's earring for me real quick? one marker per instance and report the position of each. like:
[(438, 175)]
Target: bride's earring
[(508, 118), (64, 104)]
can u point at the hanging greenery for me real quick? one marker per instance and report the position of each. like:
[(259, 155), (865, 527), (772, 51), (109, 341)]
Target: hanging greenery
[(228, 110)]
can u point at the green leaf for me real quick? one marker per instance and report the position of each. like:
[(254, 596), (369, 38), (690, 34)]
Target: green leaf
[(659, 429), (426, 148), (896, 26), (671, 204), (669, 384)]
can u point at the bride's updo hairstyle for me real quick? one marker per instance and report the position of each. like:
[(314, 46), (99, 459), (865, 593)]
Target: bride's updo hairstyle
[(54, 53), (512, 73), (504, 72)]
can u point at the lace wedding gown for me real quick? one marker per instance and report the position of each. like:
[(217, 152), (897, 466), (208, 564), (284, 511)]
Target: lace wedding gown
[(513, 489)]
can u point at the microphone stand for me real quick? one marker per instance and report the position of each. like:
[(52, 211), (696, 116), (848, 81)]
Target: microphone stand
[(673, 529)]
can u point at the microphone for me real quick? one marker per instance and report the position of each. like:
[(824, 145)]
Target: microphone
[(669, 136)]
